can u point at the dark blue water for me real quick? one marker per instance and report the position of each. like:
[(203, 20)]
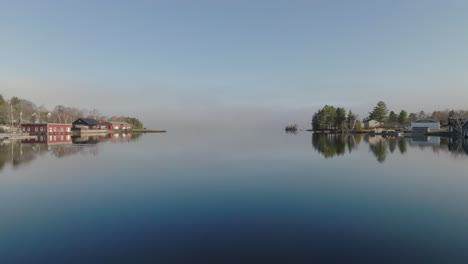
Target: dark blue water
[(234, 197)]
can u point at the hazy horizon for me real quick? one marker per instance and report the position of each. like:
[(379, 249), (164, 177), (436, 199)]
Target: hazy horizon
[(265, 63)]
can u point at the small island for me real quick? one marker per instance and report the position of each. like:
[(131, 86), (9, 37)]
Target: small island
[(382, 121)]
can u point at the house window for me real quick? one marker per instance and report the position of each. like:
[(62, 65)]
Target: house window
[(24, 129), (55, 129), (35, 129), (41, 129), (29, 129)]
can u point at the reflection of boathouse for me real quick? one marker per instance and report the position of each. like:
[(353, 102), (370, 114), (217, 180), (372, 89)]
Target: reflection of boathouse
[(49, 128), (85, 140), (425, 141)]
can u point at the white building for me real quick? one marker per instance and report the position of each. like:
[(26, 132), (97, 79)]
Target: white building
[(371, 124), (425, 125)]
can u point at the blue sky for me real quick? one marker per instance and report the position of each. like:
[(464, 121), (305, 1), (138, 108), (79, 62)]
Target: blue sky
[(244, 62)]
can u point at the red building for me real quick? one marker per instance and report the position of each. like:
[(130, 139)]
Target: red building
[(50, 128)]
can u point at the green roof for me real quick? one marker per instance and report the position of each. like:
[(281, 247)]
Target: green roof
[(425, 121)]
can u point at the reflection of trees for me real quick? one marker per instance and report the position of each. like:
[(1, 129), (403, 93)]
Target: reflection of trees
[(353, 141), (402, 145), (458, 145), (16, 153), (392, 143), (331, 145), (289, 131), (379, 148), (60, 151)]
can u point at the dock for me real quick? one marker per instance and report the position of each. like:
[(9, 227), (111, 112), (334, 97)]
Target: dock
[(97, 132), (147, 131)]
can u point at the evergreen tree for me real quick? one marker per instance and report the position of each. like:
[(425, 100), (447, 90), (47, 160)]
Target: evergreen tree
[(358, 125), (324, 119), (340, 118), (379, 113), (403, 117), (392, 118), (351, 119)]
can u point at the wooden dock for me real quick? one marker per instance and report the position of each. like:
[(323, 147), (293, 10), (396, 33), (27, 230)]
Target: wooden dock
[(147, 131)]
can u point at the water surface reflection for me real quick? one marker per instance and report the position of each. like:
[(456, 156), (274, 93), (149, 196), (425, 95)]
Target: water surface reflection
[(234, 197), (20, 152), (332, 145)]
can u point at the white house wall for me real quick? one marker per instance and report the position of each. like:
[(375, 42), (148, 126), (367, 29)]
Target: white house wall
[(424, 125)]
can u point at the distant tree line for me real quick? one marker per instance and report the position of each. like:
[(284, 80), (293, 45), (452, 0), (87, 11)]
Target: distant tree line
[(16, 111), (333, 118), (387, 118)]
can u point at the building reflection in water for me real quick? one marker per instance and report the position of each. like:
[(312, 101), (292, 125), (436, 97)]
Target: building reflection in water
[(333, 145), (20, 152)]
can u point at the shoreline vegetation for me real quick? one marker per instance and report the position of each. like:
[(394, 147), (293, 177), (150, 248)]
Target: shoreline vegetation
[(16, 111), (380, 121), (291, 128)]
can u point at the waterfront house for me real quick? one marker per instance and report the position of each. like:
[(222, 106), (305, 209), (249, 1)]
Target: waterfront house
[(86, 123), (115, 125), (369, 124), (49, 128), (105, 125), (425, 125), (118, 125)]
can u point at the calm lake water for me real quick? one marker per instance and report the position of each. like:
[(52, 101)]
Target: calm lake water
[(234, 197)]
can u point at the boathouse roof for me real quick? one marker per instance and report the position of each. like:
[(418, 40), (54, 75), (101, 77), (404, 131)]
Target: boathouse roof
[(86, 121), (425, 121)]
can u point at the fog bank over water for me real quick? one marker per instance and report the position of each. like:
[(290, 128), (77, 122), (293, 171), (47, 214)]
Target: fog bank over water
[(171, 106), (235, 63)]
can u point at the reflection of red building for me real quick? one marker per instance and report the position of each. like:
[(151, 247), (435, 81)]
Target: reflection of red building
[(50, 139), (50, 128)]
